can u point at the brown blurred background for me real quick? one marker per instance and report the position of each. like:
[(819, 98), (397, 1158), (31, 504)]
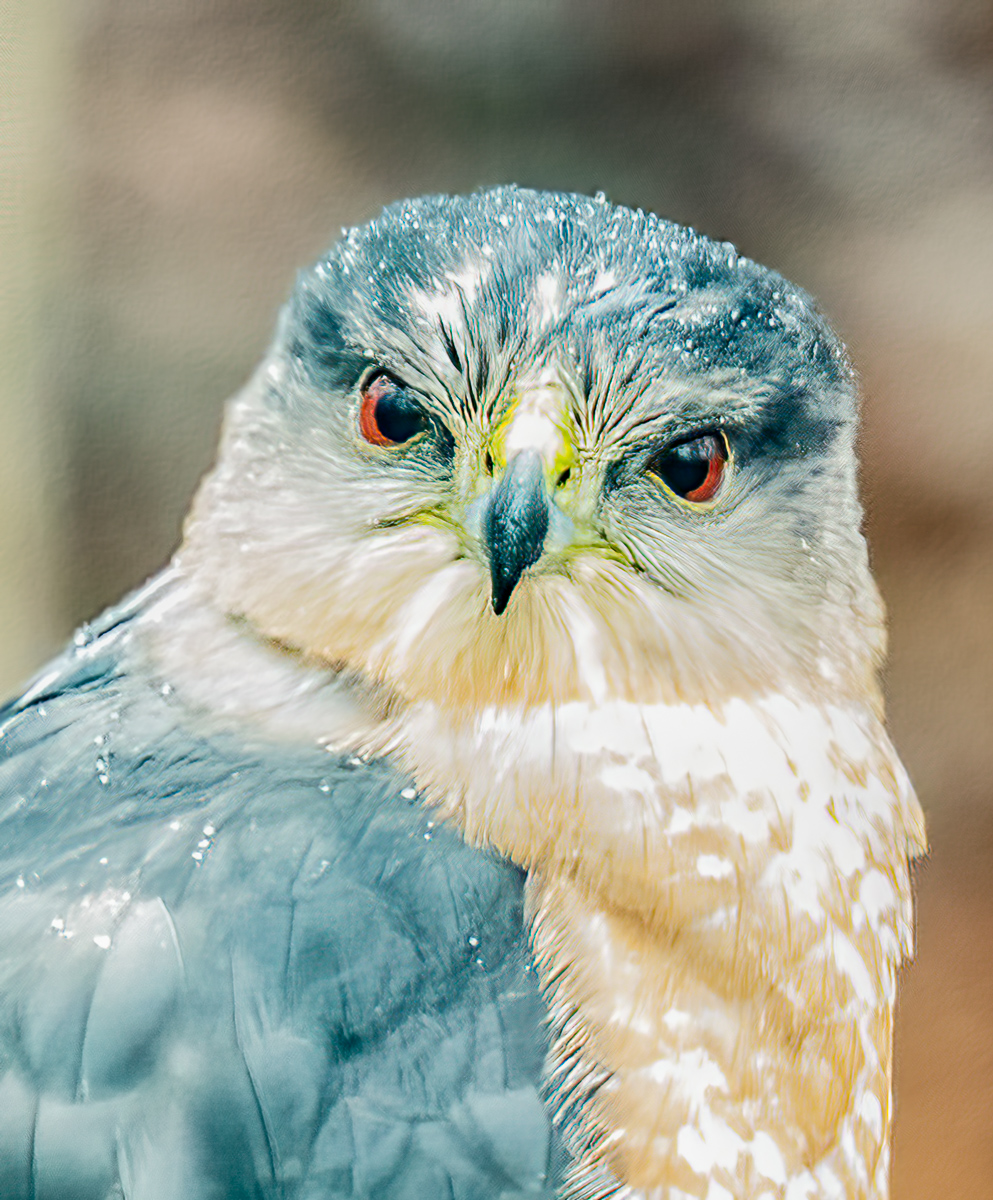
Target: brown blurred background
[(166, 165)]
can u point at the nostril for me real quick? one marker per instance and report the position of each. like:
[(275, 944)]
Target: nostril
[(564, 477), (488, 463)]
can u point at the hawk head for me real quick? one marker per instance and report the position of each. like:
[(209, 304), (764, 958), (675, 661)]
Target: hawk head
[(523, 447)]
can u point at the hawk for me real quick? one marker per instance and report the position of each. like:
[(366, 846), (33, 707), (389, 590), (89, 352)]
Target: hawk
[(491, 799)]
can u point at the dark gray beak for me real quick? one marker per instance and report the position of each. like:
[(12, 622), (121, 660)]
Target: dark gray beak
[(515, 525)]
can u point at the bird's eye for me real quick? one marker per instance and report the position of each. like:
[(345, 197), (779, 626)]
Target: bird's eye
[(693, 468), (389, 414)]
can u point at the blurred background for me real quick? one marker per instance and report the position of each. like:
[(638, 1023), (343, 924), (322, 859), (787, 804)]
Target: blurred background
[(167, 165)]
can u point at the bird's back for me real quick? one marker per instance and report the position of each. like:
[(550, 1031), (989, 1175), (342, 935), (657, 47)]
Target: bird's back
[(233, 970)]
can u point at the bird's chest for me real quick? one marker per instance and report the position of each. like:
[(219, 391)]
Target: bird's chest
[(719, 900)]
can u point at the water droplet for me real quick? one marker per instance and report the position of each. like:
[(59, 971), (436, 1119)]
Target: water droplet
[(58, 924), (324, 787), (101, 940), (198, 855), (409, 793), (20, 881), (103, 862), (474, 942)]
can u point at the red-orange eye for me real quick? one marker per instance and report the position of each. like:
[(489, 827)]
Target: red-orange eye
[(389, 415), (694, 468)]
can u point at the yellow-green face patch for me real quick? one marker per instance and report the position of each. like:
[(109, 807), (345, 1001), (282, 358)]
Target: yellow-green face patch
[(538, 418)]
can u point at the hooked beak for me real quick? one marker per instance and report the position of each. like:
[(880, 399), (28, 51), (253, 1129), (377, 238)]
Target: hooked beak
[(515, 524)]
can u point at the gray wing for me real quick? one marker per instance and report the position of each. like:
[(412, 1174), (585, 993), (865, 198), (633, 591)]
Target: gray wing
[(233, 971)]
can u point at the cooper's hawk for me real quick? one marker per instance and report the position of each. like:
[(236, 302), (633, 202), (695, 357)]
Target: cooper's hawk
[(491, 799)]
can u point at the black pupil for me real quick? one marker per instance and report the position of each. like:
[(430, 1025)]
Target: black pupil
[(399, 416), (685, 467)]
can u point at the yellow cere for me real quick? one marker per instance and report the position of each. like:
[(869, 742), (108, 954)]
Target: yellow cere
[(539, 419)]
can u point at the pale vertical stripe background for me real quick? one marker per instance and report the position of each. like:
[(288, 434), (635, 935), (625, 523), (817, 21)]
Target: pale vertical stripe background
[(31, 96)]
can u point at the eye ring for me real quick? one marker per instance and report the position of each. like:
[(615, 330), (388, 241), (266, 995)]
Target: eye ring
[(693, 468), (389, 414)]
